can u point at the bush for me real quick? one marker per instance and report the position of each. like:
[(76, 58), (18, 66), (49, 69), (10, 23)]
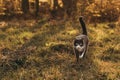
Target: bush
[(110, 14)]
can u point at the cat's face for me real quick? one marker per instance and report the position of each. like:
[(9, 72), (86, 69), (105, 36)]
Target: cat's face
[(78, 42), (78, 45)]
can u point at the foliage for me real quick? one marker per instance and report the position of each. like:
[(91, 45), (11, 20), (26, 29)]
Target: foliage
[(93, 10)]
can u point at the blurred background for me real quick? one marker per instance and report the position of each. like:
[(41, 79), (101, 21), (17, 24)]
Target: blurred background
[(93, 10)]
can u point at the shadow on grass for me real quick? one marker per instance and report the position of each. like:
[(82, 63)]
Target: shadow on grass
[(16, 59), (86, 69), (111, 54), (62, 48), (49, 61)]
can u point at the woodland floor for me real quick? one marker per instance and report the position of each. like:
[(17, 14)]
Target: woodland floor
[(43, 50)]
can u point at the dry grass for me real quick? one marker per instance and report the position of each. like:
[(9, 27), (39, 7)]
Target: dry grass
[(43, 50)]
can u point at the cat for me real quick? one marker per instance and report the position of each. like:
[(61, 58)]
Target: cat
[(81, 42)]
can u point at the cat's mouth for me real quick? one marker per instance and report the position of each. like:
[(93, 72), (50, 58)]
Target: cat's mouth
[(79, 48)]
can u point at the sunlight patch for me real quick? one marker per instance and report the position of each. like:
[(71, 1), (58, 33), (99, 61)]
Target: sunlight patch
[(48, 44), (100, 34), (72, 32)]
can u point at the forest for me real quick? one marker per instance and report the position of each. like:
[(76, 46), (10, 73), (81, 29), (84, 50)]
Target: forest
[(36, 39)]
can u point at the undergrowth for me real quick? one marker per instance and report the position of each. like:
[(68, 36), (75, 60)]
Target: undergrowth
[(43, 50)]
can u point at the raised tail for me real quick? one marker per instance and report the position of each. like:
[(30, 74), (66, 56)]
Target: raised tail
[(83, 26)]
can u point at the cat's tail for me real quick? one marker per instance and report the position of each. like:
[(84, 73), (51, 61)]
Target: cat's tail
[(83, 25)]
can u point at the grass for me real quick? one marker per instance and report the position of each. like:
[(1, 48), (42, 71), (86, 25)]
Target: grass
[(43, 50)]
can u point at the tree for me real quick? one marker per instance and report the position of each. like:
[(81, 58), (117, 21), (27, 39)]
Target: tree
[(70, 6), (9, 5), (56, 5), (25, 6), (37, 7)]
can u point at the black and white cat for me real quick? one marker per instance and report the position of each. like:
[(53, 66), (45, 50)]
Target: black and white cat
[(81, 42)]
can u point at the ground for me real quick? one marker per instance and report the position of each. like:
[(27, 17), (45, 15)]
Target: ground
[(43, 50)]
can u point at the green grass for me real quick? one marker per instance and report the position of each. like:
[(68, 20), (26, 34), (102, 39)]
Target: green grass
[(44, 51)]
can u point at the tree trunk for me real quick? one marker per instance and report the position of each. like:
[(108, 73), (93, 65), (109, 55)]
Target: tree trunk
[(25, 6), (70, 6), (37, 8), (56, 5)]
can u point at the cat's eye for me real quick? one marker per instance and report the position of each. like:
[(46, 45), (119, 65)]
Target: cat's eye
[(76, 44), (81, 44)]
